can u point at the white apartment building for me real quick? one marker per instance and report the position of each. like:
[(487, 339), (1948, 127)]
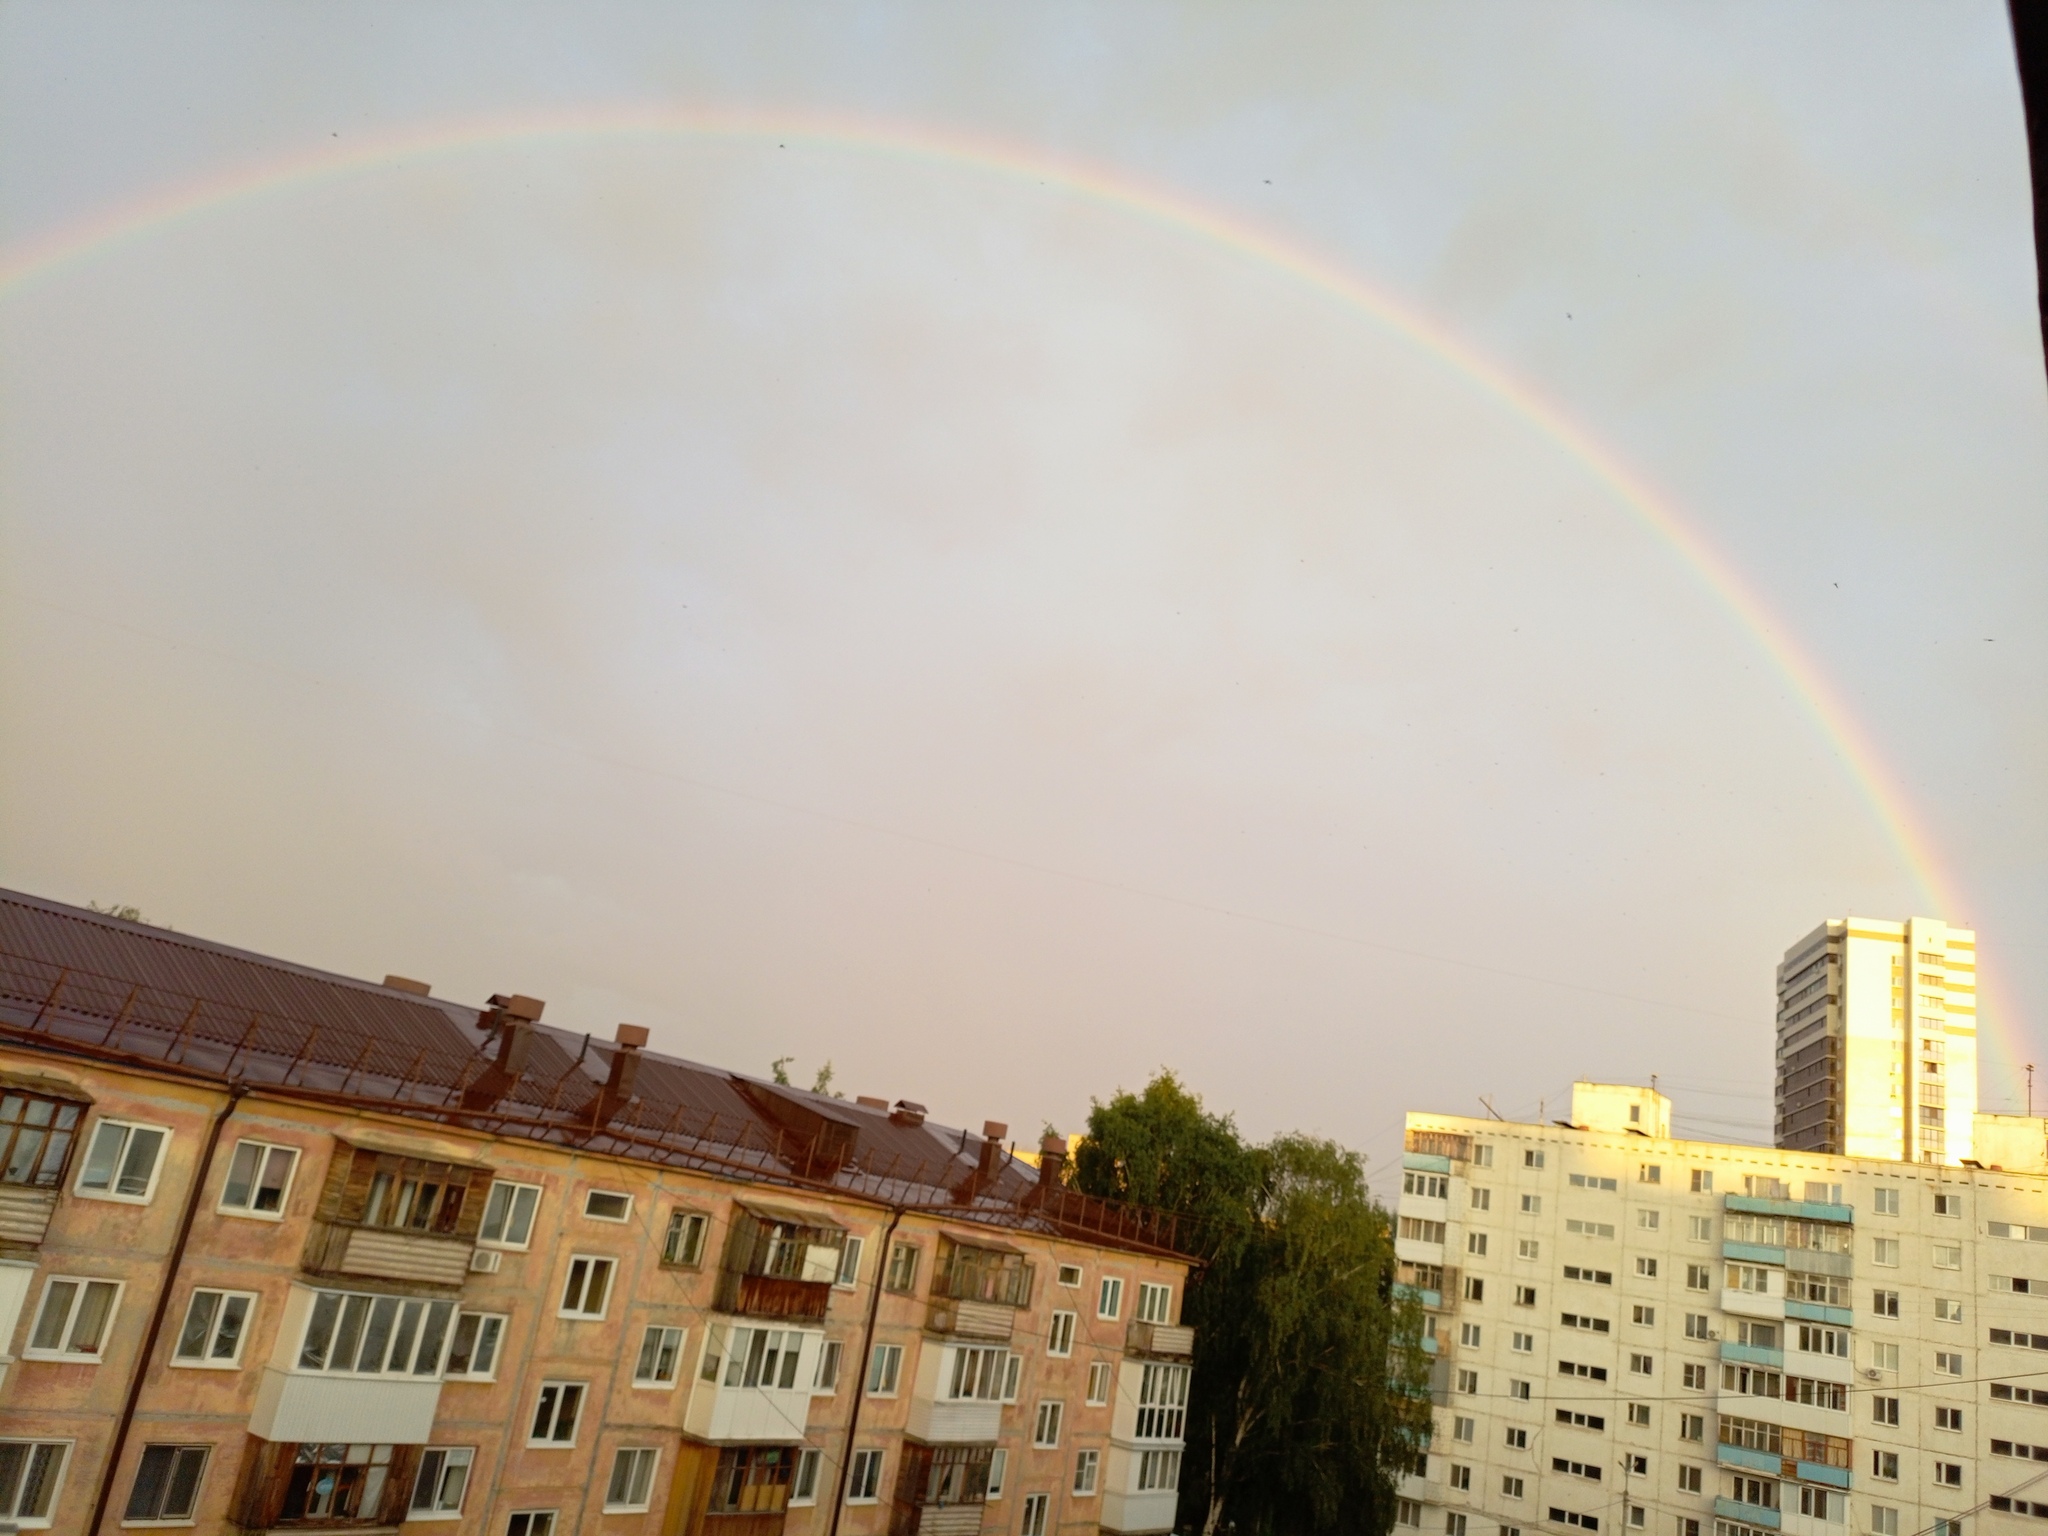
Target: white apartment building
[(1877, 1040), (1640, 1334)]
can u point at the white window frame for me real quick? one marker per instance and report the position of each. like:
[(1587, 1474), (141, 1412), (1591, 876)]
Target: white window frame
[(338, 1323), (885, 1370), (849, 1263), (264, 1149), (547, 1528), (681, 1222), (1051, 1415), (864, 1477), (825, 1374), (998, 1473), (605, 1194), (110, 1192), (1012, 1373), (1035, 1505), (1155, 1298), (580, 1289), (803, 1481), (513, 1186), (436, 1510), (1059, 1338), (645, 1457), (1109, 1299), (647, 1337), (1101, 1375), (55, 1482), (484, 1320), (207, 1361), (62, 1351), (1087, 1472), (1064, 1270), (552, 1441), (166, 1522)]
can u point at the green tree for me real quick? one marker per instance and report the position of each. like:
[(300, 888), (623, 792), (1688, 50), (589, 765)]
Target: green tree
[(1310, 1390), (823, 1083), (779, 1069)]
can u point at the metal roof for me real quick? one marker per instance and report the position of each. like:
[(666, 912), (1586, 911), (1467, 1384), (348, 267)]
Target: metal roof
[(77, 982)]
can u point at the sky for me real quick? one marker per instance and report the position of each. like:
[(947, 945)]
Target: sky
[(1378, 557)]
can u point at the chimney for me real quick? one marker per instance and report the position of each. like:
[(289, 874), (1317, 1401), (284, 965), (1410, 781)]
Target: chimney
[(992, 1134), (870, 1101), (632, 1038), (407, 984), (907, 1114), (1052, 1159), (512, 1018)]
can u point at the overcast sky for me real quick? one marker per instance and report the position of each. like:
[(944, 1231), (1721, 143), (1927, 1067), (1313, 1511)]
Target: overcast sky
[(864, 606)]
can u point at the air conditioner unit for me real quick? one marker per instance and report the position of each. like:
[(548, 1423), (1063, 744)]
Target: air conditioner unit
[(485, 1261), (1870, 1375), (1712, 1334)]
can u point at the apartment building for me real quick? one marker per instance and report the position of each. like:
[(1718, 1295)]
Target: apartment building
[(282, 1250), (1636, 1333), (1877, 1040)]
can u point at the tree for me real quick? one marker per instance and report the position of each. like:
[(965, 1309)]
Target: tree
[(779, 1069), (1310, 1389), (823, 1083)]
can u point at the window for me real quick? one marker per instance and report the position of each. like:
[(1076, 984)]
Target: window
[(607, 1205), (35, 1138), (1532, 1158), (1948, 1205), (1162, 1403), (902, 1276), (1646, 1267), (1463, 1428), (1884, 1303), (1579, 1228), (1949, 1418), (1884, 1410), (1885, 1465), (474, 1353), (442, 1481), (1461, 1478), (1640, 1365), (588, 1287), (1884, 1252), (1703, 1181), (1086, 1465), (826, 1377), (1815, 1340), (531, 1522), (1010, 1376), (1532, 1205), (1590, 1276), (632, 1485), (1034, 1514), (508, 1215), (339, 1482), (1582, 1322), (1696, 1325), (1692, 1426), (1454, 1523), (1591, 1181), (1510, 1487), (1762, 1186), (683, 1244), (1522, 1343), (1695, 1377), (1408, 1512), (166, 1483), (1046, 1431), (864, 1478), (1948, 1363), (1948, 1255), (1060, 1341), (884, 1366), (1098, 1383), (1947, 1310), (554, 1413), (216, 1322), (1753, 1278), (661, 1352), (1649, 1220), (1475, 1288), (1482, 1199), (1883, 1521), (849, 1263), (1649, 1173), (1884, 1357), (1519, 1390), (75, 1317), (1698, 1277), (1578, 1420), (1069, 1275), (1885, 1202), (1155, 1303), (122, 1162), (1475, 1243), (1588, 1372), (407, 1194), (1468, 1335), (259, 1175), (1699, 1229), (1525, 1295), (1468, 1383), (1515, 1438), (1109, 1303), (1482, 1155), (1415, 1229), (1526, 1248), (1819, 1504), (803, 1488)]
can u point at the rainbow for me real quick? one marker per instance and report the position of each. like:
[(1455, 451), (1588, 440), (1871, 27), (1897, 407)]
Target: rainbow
[(66, 248)]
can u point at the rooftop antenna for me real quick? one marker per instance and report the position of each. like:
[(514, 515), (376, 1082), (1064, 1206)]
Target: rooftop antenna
[(1489, 1107), (2030, 1090)]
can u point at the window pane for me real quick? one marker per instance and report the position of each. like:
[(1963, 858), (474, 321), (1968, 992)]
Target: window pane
[(408, 1330), (487, 1346), (463, 1350), (152, 1480), (377, 1337), (94, 1308), (104, 1154), (183, 1493), (326, 1307), (429, 1359), (277, 1172), (620, 1491), (520, 1227), (140, 1163), (242, 1175), (198, 1326), (40, 1486)]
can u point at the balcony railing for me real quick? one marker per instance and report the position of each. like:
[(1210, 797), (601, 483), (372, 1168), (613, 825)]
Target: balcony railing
[(1440, 1144), (771, 1296), (1166, 1341), (970, 1319), (779, 1264)]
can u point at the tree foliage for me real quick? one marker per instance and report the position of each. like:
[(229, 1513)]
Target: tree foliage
[(1310, 1390)]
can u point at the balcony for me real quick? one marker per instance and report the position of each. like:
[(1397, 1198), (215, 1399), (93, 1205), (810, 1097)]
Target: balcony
[(1753, 1354), (390, 1216), (1161, 1341), (424, 1258), (941, 1490), (755, 1524), (754, 1386), (1747, 1514), (956, 1398), (970, 1319), (779, 1263)]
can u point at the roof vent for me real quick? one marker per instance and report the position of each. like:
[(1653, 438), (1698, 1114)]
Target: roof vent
[(870, 1101), (407, 984), (906, 1113)]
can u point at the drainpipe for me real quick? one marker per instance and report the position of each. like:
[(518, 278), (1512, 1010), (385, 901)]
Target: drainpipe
[(860, 1380), (163, 1304)]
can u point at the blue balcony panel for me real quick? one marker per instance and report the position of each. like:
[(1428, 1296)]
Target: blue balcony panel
[(1815, 1472), (1425, 1162), (1748, 1514), (1814, 1312), (1743, 1456), (1753, 1253), (1754, 1354), (1806, 1210)]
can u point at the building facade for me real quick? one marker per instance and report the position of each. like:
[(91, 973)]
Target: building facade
[(1877, 1041), (1635, 1333), (284, 1251)]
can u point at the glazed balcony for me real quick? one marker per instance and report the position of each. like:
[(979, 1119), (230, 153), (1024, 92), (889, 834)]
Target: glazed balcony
[(779, 1264)]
